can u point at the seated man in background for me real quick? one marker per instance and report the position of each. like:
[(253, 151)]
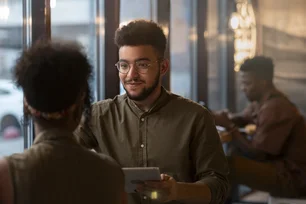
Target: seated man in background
[(56, 169), (151, 127), (273, 160)]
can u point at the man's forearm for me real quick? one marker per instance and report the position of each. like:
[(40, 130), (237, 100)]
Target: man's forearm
[(193, 193), (239, 120), (242, 143)]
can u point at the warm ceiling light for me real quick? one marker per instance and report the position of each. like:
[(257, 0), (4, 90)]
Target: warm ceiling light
[(234, 21)]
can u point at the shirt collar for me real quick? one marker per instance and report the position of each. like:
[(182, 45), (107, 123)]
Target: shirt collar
[(54, 134), (160, 102), (272, 93)]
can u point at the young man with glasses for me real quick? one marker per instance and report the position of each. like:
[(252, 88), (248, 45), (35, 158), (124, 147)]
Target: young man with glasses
[(151, 127)]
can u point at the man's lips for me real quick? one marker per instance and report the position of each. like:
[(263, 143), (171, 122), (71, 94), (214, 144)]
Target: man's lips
[(133, 83)]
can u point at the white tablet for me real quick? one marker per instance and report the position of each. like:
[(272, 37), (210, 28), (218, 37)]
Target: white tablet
[(138, 175)]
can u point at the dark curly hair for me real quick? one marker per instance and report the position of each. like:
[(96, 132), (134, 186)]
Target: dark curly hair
[(261, 66), (52, 76), (142, 32)]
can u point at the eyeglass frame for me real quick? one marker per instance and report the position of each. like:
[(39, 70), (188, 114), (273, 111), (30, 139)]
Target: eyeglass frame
[(134, 63)]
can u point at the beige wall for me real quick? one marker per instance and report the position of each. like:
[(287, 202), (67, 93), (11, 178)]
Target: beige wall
[(286, 15), (282, 35)]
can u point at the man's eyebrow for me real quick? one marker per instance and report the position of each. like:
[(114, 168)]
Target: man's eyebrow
[(136, 60), (142, 59)]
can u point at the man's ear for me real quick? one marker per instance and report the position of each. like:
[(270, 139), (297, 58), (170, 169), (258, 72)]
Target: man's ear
[(164, 66)]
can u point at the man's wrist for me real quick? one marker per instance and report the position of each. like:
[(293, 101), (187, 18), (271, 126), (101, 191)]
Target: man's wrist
[(179, 189), (192, 192), (231, 127)]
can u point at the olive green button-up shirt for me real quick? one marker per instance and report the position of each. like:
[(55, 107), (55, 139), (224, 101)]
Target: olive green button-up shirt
[(177, 135)]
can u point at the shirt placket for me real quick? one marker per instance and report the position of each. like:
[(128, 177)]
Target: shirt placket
[(143, 140), (143, 149)]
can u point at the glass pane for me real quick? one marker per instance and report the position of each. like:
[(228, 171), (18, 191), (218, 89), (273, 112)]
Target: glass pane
[(181, 53), (75, 20), (283, 37), (11, 99), (213, 48), (133, 9), (216, 35), (241, 99)]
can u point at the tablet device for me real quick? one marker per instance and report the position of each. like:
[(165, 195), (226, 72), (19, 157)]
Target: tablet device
[(138, 175)]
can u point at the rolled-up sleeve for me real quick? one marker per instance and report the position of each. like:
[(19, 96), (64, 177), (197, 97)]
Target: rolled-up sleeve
[(209, 159)]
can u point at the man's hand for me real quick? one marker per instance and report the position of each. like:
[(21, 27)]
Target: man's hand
[(225, 137), (163, 191), (222, 119)]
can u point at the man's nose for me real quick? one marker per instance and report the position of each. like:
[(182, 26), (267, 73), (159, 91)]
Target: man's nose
[(132, 72)]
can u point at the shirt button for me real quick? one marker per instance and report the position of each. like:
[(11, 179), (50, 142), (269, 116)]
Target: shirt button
[(145, 197), (142, 119), (142, 145)]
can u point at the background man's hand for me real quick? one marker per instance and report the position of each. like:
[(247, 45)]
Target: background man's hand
[(222, 119)]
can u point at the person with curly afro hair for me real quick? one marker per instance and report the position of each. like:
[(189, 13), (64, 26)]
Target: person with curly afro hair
[(55, 78)]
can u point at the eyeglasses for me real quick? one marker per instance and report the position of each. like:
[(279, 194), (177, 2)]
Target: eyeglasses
[(142, 66)]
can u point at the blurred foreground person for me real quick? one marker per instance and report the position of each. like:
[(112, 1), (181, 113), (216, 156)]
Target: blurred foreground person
[(55, 80)]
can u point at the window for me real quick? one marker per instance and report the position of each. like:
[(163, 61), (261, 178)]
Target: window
[(215, 78), (133, 9), (76, 20), (283, 38), (182, 34), (11, 99)]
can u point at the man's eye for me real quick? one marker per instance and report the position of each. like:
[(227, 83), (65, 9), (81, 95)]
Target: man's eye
[(124, 66), (143, 65)]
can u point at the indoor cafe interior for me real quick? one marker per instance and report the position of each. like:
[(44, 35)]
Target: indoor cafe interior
[(210, 45)]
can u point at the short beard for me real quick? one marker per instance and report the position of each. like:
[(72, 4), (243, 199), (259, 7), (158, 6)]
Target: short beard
[(146, 92)]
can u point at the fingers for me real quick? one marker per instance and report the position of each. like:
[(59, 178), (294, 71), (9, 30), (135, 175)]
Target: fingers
[(225, 137), (152, 186), (165, 177), (160, 184), (160, 194), (157, 190), (140, 188), (156, 194)]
